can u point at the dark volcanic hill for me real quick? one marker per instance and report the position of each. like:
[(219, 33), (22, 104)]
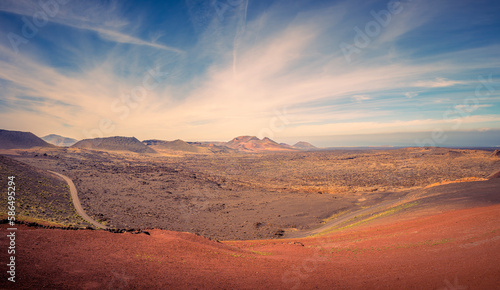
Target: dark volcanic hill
[(114, 144), (20, 140), (59, 140), (304, 146), (214, 147), (176, 145), (254, 144)]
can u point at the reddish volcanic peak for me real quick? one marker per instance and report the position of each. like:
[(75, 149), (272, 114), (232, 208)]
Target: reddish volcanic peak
[(254, 144), (269, 140), (241, 139)]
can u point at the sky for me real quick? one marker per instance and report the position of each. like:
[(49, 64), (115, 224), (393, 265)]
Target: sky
[(335, 73)]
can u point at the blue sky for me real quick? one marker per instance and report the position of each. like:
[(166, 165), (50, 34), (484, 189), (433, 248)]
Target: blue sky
[(423, 72)]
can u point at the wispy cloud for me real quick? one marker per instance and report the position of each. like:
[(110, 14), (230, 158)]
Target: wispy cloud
[(125, 38), (438, 83), (360, 98), (411, 94), (424, 125), (101, 19), (472, 107), (232, 75)]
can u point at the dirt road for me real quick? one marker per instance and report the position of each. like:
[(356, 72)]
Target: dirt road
[(76, 201)]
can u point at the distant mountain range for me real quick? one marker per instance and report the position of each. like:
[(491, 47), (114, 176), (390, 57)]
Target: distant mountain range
[(114, 144), (20, 140), (254, 144), (176, 145), (59, 140), (23, 140)]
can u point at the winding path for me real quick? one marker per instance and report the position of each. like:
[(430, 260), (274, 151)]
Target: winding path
[(76, 201)]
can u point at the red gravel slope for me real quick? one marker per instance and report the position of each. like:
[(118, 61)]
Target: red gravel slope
[(453, 249)]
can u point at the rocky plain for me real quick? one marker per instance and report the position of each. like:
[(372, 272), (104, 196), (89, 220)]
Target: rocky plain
[(252, 214), (250, 195)]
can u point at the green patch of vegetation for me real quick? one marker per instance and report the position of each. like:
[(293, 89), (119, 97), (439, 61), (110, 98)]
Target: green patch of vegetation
[(385, 213), (147, 258), (235, 255), (443, 241), (336, 215), (482, 235), (357, 250), (39, 221), (262, 253)]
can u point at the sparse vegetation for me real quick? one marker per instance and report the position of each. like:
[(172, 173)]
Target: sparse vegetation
[(40, 197), (359, 220), (359, 250), (230, 193), (262, 253)]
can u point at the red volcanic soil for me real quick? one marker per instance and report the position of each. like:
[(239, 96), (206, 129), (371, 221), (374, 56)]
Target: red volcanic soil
[(451, 250)]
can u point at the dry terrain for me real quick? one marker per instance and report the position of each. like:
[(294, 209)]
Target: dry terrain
[(452, 250), (249, 196), (423, 218), (39, 195)]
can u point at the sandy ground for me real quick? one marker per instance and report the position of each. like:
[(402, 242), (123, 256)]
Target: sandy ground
[(453, 249)]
